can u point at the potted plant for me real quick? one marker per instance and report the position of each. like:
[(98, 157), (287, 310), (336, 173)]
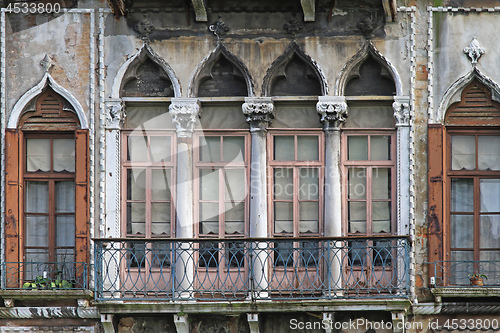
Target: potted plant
[(477, 279)]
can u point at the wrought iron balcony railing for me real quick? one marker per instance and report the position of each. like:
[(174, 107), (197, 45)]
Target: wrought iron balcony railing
[(45, 275), (248, 269), (465, 273)]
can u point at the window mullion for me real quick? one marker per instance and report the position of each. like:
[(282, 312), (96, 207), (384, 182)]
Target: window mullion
[(52, 221)]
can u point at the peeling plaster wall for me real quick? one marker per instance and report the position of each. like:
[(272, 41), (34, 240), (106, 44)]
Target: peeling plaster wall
[(65, 38)]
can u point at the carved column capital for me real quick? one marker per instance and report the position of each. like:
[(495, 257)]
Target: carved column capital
[(259, 112), (333, 111), (115, 114), (401, 108), (184, 112)]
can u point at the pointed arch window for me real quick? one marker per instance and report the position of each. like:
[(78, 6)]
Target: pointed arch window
[(47, 193), (467, 196)]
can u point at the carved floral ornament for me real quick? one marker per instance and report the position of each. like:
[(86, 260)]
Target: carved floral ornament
[(333, 113), (401, 113), (474, 51), (185, 114), (258, 113), (115, 114)]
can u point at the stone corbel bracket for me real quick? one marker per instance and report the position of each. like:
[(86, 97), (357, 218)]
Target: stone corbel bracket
[(185, 112), (333, 111), (259, 112)]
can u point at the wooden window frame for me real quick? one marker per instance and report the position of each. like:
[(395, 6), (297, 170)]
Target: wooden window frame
[(369, 165), (296, 165), (220, 166), (476, 175), (51, 178), (148, 166)]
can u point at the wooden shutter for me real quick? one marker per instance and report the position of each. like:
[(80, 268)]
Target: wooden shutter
[(435, 181), (82, 198), (13, 179)]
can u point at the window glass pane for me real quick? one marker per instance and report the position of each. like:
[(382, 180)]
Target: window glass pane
[(223, 116), (296, 115), (37, 231), (137, 148), (37, 197), (65, 197), (381, 183), (357, 183), (209, 184), (136, 218), (357, 148), (210, 149), (160, 184), (284, 148), (283, 184), (490, 232), (372, 116), (37, 155), (380, 147), (148, 117), (309, 184), (462, 195), (381, 217), (490, 266), (309, 217), (462, 231), (64, 155), (283, 217), (307, 148), (65, 230), (235, 184), (234, 218), (490, 195), (160, 148), (160, 218), (35, 255), (357, 217), (161, 252), (463, 152), (233, 148), (136, 184), (209, 217), (488, 152), (67, 256), (460, 268)]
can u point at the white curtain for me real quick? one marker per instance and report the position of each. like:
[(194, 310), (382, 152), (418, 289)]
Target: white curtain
[(37, 155), (489, 152), (463, 152)]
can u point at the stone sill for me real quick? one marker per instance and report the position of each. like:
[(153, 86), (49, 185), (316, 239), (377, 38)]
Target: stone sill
[(465, 292), (228, 308), (49, 295)]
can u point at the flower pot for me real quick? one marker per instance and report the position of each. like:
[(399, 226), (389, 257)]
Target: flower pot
[(476, 281)]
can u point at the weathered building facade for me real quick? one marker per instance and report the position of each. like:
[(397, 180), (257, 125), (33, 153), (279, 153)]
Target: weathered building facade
[(250, 166)]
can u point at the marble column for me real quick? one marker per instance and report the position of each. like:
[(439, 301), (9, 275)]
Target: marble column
[(259, 113), (185, 112), (333, 111)]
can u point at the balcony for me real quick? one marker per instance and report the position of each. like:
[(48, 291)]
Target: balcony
[(41, 281), (458, 273), (251, 269)]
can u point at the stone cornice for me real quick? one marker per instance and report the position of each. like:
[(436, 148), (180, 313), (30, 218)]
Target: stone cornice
[(333, 111), (259, 112), (184, 113)]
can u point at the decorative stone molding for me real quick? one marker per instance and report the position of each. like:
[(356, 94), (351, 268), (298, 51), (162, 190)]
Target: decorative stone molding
[(219, 28), (144, 28), (47, 63), (474, 51), (115, 114), (293, 26), (333, 111), (401, 108), (259, 112), (185, 112)]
